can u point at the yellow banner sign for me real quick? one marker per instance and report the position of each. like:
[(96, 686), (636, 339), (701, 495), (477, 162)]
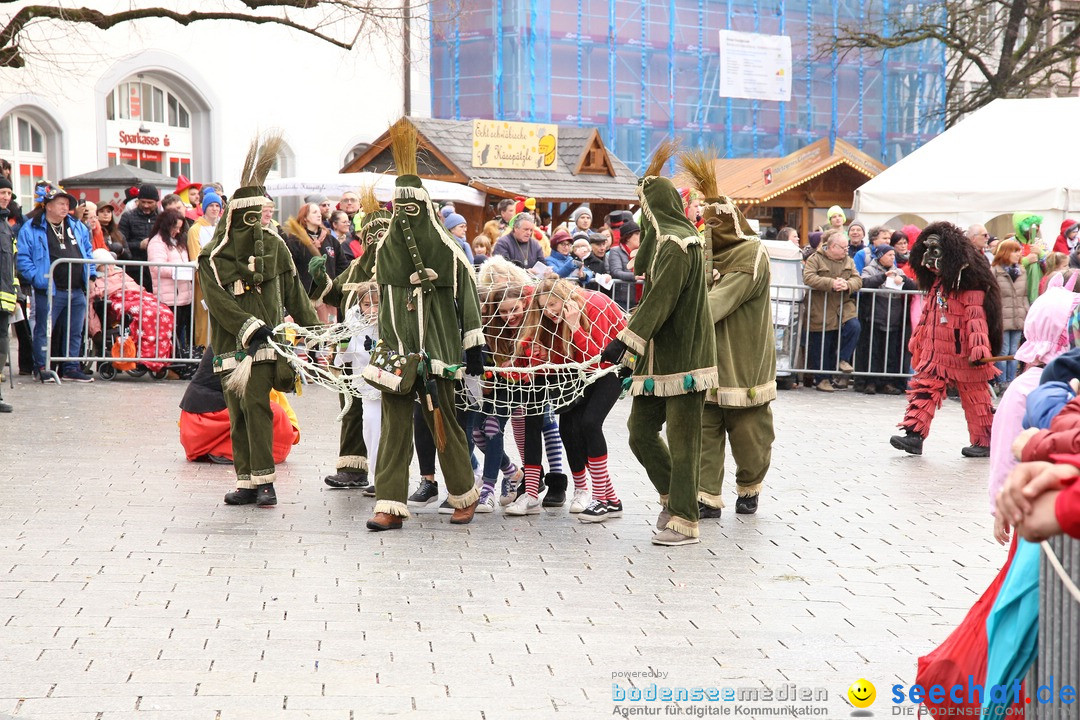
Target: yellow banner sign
[(514, 145)]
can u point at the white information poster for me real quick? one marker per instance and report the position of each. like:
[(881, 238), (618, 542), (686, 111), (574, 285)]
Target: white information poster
[(755, 66)]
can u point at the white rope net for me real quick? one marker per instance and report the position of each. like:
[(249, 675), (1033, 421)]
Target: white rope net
[(534, 362)]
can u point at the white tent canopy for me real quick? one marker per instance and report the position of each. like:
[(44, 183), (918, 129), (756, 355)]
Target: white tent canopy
[(335, 185), (1012, 155)]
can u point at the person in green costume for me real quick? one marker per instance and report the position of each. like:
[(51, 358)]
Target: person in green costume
[(738, 411), (248, 276), (1027, 226), (352, 463), (671, 333), (427, 303)]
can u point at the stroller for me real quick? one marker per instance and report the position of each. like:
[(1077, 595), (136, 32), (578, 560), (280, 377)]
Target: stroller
[(134, 327)]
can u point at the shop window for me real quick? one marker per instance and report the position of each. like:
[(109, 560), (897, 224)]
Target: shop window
[(22, 141)]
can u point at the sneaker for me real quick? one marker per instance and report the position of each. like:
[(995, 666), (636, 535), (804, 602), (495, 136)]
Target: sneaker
[(487, 502), (524, 505), (746, 504), (446, 508), (614, 508), (845, 367), (580, 501), (426, 494), (975, 451), (595, 512), (509, 486), (825, 386), (77, 376), (673, 537)]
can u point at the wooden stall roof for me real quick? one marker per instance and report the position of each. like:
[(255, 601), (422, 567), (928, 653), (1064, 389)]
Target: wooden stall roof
[(586, 170), (750, 181)]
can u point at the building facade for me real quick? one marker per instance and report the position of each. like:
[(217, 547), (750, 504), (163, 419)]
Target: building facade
[(642, 71), (188, 100)]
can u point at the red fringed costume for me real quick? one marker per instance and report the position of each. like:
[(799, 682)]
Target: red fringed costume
[(960, 326)]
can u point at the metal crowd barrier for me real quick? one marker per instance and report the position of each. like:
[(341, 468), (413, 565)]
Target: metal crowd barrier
[(1058, 663), (878, 352), (98, 350)]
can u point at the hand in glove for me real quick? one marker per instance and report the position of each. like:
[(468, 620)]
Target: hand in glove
[(259, 337), (614, 352), (317, 269), (474, 361)]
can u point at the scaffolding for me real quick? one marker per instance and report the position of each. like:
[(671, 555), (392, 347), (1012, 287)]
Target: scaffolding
[(642, 71)]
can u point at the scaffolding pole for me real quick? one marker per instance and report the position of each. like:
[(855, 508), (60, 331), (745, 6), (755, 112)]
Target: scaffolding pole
[(885, 18), (754, 103), (862, 73), (611, 72), (834, 67), (701, 72), (531, 113), (729, 139), (457, 66), (580, 73), (783, 105), (643, 110), (809, 70)]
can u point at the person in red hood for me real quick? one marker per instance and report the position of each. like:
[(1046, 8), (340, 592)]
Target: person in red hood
[(1066, 239)]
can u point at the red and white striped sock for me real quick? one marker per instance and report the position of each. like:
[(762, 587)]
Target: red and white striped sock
[(581, 480), (601, 483), (532, 480)]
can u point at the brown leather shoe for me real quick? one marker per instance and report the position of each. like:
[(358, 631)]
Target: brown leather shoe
[(464, 516), (384, 521)]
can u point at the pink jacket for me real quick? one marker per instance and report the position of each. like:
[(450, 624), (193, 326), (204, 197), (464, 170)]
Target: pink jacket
[(170, 291), (1008, 423)]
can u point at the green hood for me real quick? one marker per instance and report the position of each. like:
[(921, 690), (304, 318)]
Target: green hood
[(663, 220), (1022, 223), (242, 250), (437, 252)]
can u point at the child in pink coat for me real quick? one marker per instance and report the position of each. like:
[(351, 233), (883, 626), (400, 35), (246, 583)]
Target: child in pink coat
[(1046, 333)]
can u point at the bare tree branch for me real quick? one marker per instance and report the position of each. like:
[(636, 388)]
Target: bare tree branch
[(13, 56), (1003, 44)]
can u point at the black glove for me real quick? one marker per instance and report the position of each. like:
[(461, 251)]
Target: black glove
[(474, 361), (614, 352), (259, 337)]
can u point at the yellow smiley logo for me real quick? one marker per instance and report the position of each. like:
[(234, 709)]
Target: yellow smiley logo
[(862, 693)]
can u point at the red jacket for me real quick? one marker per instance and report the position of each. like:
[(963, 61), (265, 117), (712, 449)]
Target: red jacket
[(1061, 245), (1067, 505), (606, 320), (1063, 436)]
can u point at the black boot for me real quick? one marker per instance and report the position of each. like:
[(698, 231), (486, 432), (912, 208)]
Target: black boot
[(241, 496), (267, 496), (976, 451), (556, 494), (909, 442), (346, 478), (747, 504), (708, 512)]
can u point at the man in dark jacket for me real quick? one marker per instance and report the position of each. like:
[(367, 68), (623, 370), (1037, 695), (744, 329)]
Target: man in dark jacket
[(135, 225), (597, 260), (618, 258), (519, 246)]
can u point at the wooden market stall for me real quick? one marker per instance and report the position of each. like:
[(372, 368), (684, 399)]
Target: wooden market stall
[(559, 165), (787, 190)]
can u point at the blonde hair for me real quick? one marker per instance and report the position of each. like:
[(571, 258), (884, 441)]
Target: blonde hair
[(555, 337), (484, 242), (1056, 261), (491, 229)]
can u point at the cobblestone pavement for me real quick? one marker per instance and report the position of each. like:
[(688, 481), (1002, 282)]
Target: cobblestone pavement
[(128, 590)]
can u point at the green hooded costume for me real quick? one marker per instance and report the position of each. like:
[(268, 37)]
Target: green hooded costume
[(427, 302), (1027, 233), (739, 302), (248, 276), (341, 293), (671, 332)]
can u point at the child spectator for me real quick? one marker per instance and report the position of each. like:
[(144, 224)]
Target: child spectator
[(481, 249), (1056, 263), (362, 319)]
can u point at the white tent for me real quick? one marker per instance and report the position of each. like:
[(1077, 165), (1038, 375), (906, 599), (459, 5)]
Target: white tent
[(335, 185), (1012, 155)]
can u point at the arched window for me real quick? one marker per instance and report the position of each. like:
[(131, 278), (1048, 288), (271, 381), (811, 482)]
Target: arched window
[(23, 144), (149, 126)]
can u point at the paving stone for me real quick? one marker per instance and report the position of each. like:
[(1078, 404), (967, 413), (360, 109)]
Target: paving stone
[(142, 595)]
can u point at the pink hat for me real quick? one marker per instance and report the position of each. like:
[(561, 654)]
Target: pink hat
[(1046, 327)]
